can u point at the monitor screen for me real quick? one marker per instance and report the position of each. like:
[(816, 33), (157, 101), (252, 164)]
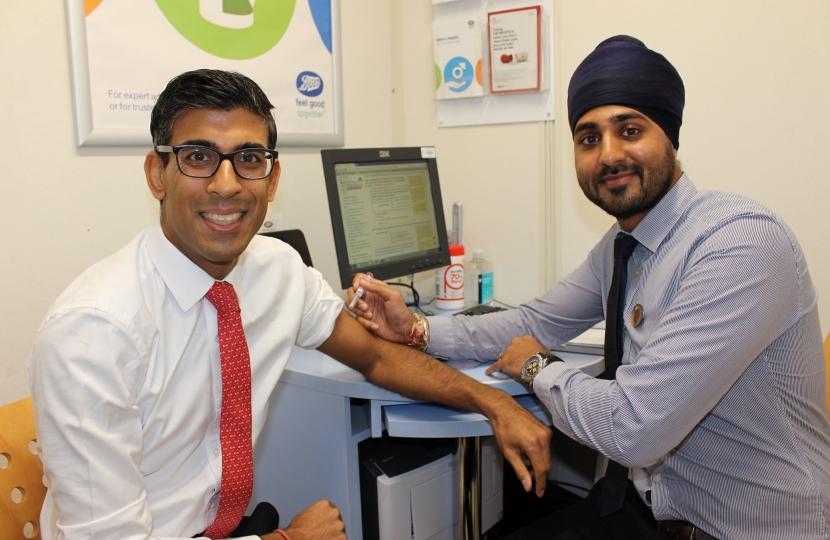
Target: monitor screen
[(386, 211)]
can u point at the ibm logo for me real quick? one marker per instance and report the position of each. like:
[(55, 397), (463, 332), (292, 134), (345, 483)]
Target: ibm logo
[(384, 153)]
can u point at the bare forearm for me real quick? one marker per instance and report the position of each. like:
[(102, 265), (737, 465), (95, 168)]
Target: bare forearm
[(517, 431), (415, 375), (407, 371), (418, 376)]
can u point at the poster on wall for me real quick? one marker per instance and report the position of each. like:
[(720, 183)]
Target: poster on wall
[(457, 48), (515, 50), (289, 47)]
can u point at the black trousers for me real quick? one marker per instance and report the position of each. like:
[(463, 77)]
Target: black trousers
[(263, 520), (581, 521)]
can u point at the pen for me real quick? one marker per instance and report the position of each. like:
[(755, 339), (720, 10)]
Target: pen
[(359, 292)]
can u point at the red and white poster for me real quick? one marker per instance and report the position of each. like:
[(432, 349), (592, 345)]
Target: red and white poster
[(515, 40)]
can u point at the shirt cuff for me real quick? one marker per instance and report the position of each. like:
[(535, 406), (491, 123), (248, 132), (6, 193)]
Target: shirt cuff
[(440, 336), (546, 379)]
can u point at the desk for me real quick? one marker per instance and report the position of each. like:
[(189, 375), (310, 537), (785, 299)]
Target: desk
[(320, 411)]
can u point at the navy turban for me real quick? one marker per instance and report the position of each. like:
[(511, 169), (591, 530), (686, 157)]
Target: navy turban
[(623, 71)]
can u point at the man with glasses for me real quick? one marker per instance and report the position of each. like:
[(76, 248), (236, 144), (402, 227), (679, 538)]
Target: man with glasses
[(151, 373)]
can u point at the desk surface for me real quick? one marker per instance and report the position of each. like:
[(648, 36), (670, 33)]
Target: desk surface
[(313, 369)]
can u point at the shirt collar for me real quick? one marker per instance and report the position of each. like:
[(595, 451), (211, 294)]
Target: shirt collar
[(186, 281), (654, 228)]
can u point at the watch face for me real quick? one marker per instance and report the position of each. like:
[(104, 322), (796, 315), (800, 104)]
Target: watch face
[(530, 369)]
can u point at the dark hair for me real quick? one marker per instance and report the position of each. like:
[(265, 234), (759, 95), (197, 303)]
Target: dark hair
[(208, 89)]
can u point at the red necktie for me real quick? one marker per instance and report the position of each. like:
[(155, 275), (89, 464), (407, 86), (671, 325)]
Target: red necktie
[(235, 420)]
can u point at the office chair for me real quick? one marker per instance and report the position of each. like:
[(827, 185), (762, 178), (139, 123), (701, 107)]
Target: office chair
[(294, 238), (21, 473)]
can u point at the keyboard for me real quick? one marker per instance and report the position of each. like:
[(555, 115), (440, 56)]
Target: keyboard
[(481, 309)]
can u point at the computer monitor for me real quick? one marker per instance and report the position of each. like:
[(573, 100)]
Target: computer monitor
[(386, 211)]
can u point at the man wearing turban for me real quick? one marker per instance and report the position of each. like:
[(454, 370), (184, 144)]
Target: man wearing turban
[(712, 409)]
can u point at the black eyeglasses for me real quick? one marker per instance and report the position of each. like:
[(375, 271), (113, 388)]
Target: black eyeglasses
[(203, 162)]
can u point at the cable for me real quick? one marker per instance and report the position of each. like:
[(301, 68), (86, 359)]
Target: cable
[(416, 298), (425, 312)]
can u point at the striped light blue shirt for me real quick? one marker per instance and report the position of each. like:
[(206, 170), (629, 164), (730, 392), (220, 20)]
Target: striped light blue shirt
[(720, 405)]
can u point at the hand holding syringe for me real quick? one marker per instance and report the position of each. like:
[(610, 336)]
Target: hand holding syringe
[(380, 308), (359, 292)]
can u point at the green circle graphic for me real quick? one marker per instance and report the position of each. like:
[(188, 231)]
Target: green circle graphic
[(271, 19)]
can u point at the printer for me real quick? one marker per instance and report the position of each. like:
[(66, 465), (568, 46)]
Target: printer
[(410, 488)]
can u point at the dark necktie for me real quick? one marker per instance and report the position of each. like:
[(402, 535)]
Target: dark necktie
[(235, 420), (616, 476)]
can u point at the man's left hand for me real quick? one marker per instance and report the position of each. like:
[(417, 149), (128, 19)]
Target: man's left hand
[(525, 443), (513, 358)]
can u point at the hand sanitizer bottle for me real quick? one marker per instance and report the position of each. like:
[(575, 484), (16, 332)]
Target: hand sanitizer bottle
[(485, 277), (478, 280), (471, 275)]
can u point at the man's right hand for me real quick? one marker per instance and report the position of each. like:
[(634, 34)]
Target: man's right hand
[(319, 521), (382, 310)]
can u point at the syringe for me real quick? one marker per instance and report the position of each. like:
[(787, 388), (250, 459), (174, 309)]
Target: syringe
[(359, 292)]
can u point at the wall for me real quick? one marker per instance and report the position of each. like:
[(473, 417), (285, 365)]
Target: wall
[(497, 172), (757, 122)]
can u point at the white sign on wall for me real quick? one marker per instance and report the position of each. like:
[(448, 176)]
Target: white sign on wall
[(289, 47), (458, 70)]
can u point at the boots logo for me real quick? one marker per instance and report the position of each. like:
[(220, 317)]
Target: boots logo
[(232, 29), (309, 84)]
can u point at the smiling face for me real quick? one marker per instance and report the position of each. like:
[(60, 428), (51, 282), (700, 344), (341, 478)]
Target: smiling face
[(624, 162), (212, 220)]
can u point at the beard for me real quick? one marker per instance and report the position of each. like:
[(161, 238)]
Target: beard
[(627, 201)]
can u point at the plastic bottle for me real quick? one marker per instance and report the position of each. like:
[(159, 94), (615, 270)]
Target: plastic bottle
[(478, 280), (450, 281), (471, 272)]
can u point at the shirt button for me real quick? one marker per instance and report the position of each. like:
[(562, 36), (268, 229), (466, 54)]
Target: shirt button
[(216, 452), (638, 272), (658, 478)]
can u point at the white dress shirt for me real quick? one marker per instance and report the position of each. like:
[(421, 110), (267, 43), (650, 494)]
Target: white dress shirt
[(126, 380)]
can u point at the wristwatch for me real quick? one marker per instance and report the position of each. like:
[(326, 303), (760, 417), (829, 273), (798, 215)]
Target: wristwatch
[(537, 363)]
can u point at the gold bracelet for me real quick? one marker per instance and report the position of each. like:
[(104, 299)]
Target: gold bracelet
[(419, 335)]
